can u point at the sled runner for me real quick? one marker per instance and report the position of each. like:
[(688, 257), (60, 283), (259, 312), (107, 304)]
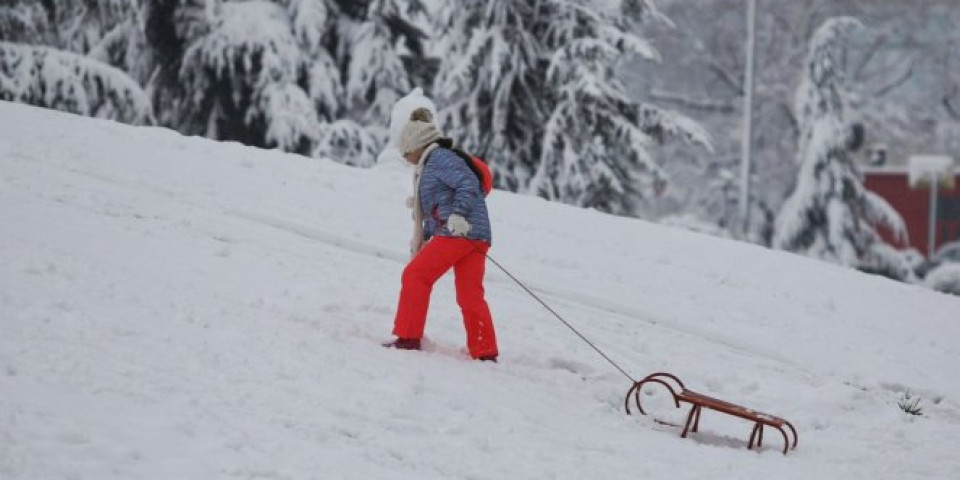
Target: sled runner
[(699, 401)]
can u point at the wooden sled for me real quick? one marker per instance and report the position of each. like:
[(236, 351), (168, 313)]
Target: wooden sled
[(699, 401)]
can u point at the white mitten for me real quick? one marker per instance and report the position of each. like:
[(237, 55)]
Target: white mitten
[(458, 225)]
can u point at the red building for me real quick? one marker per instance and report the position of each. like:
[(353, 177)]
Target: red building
[(913, 204)]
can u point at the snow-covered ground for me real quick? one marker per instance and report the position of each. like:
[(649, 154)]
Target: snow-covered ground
[(176, 308)]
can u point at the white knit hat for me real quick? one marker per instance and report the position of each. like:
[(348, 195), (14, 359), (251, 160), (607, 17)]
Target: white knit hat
[(419, 132)]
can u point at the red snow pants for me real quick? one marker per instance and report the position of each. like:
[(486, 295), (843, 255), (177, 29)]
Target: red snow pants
[(468, 259)]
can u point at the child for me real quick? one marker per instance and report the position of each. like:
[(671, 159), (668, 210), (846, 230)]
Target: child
[(452, 231)]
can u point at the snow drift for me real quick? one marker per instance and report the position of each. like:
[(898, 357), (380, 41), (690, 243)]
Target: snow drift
[(174, 307)]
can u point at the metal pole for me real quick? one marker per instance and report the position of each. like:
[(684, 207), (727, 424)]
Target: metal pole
[(932, 232), (745, 144)]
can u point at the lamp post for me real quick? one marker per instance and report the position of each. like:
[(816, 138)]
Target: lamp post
[(933, 172), (746, 143), (932, 226)]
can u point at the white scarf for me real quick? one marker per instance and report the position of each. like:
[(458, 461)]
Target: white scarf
[(416, 243)]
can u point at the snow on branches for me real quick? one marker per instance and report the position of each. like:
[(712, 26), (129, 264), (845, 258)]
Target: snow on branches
[(242, 76), (74, 25), (309, 76), (830, 214), (72, 83), (24, 22)]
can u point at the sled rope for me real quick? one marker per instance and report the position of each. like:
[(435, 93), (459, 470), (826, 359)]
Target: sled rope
[(574, 330)]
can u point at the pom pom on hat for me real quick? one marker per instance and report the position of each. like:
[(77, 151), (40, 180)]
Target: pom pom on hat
[(421, 115)]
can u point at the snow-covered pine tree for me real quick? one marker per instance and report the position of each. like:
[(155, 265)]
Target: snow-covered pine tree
[(488, 84), (830, 215), (365, 44), (374, 73), (167, 29), (99, 29), (310, 76), (241, 79), (532, 87), (69, 82), (58, 55)]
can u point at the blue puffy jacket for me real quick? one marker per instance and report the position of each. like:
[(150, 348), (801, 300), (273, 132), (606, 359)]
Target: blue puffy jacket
[(448, 186)]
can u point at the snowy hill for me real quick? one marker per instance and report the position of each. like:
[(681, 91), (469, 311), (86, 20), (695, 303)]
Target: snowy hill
[(176, 308)]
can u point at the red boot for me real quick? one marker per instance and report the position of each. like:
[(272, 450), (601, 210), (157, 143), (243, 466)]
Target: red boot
[(404, 344)]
